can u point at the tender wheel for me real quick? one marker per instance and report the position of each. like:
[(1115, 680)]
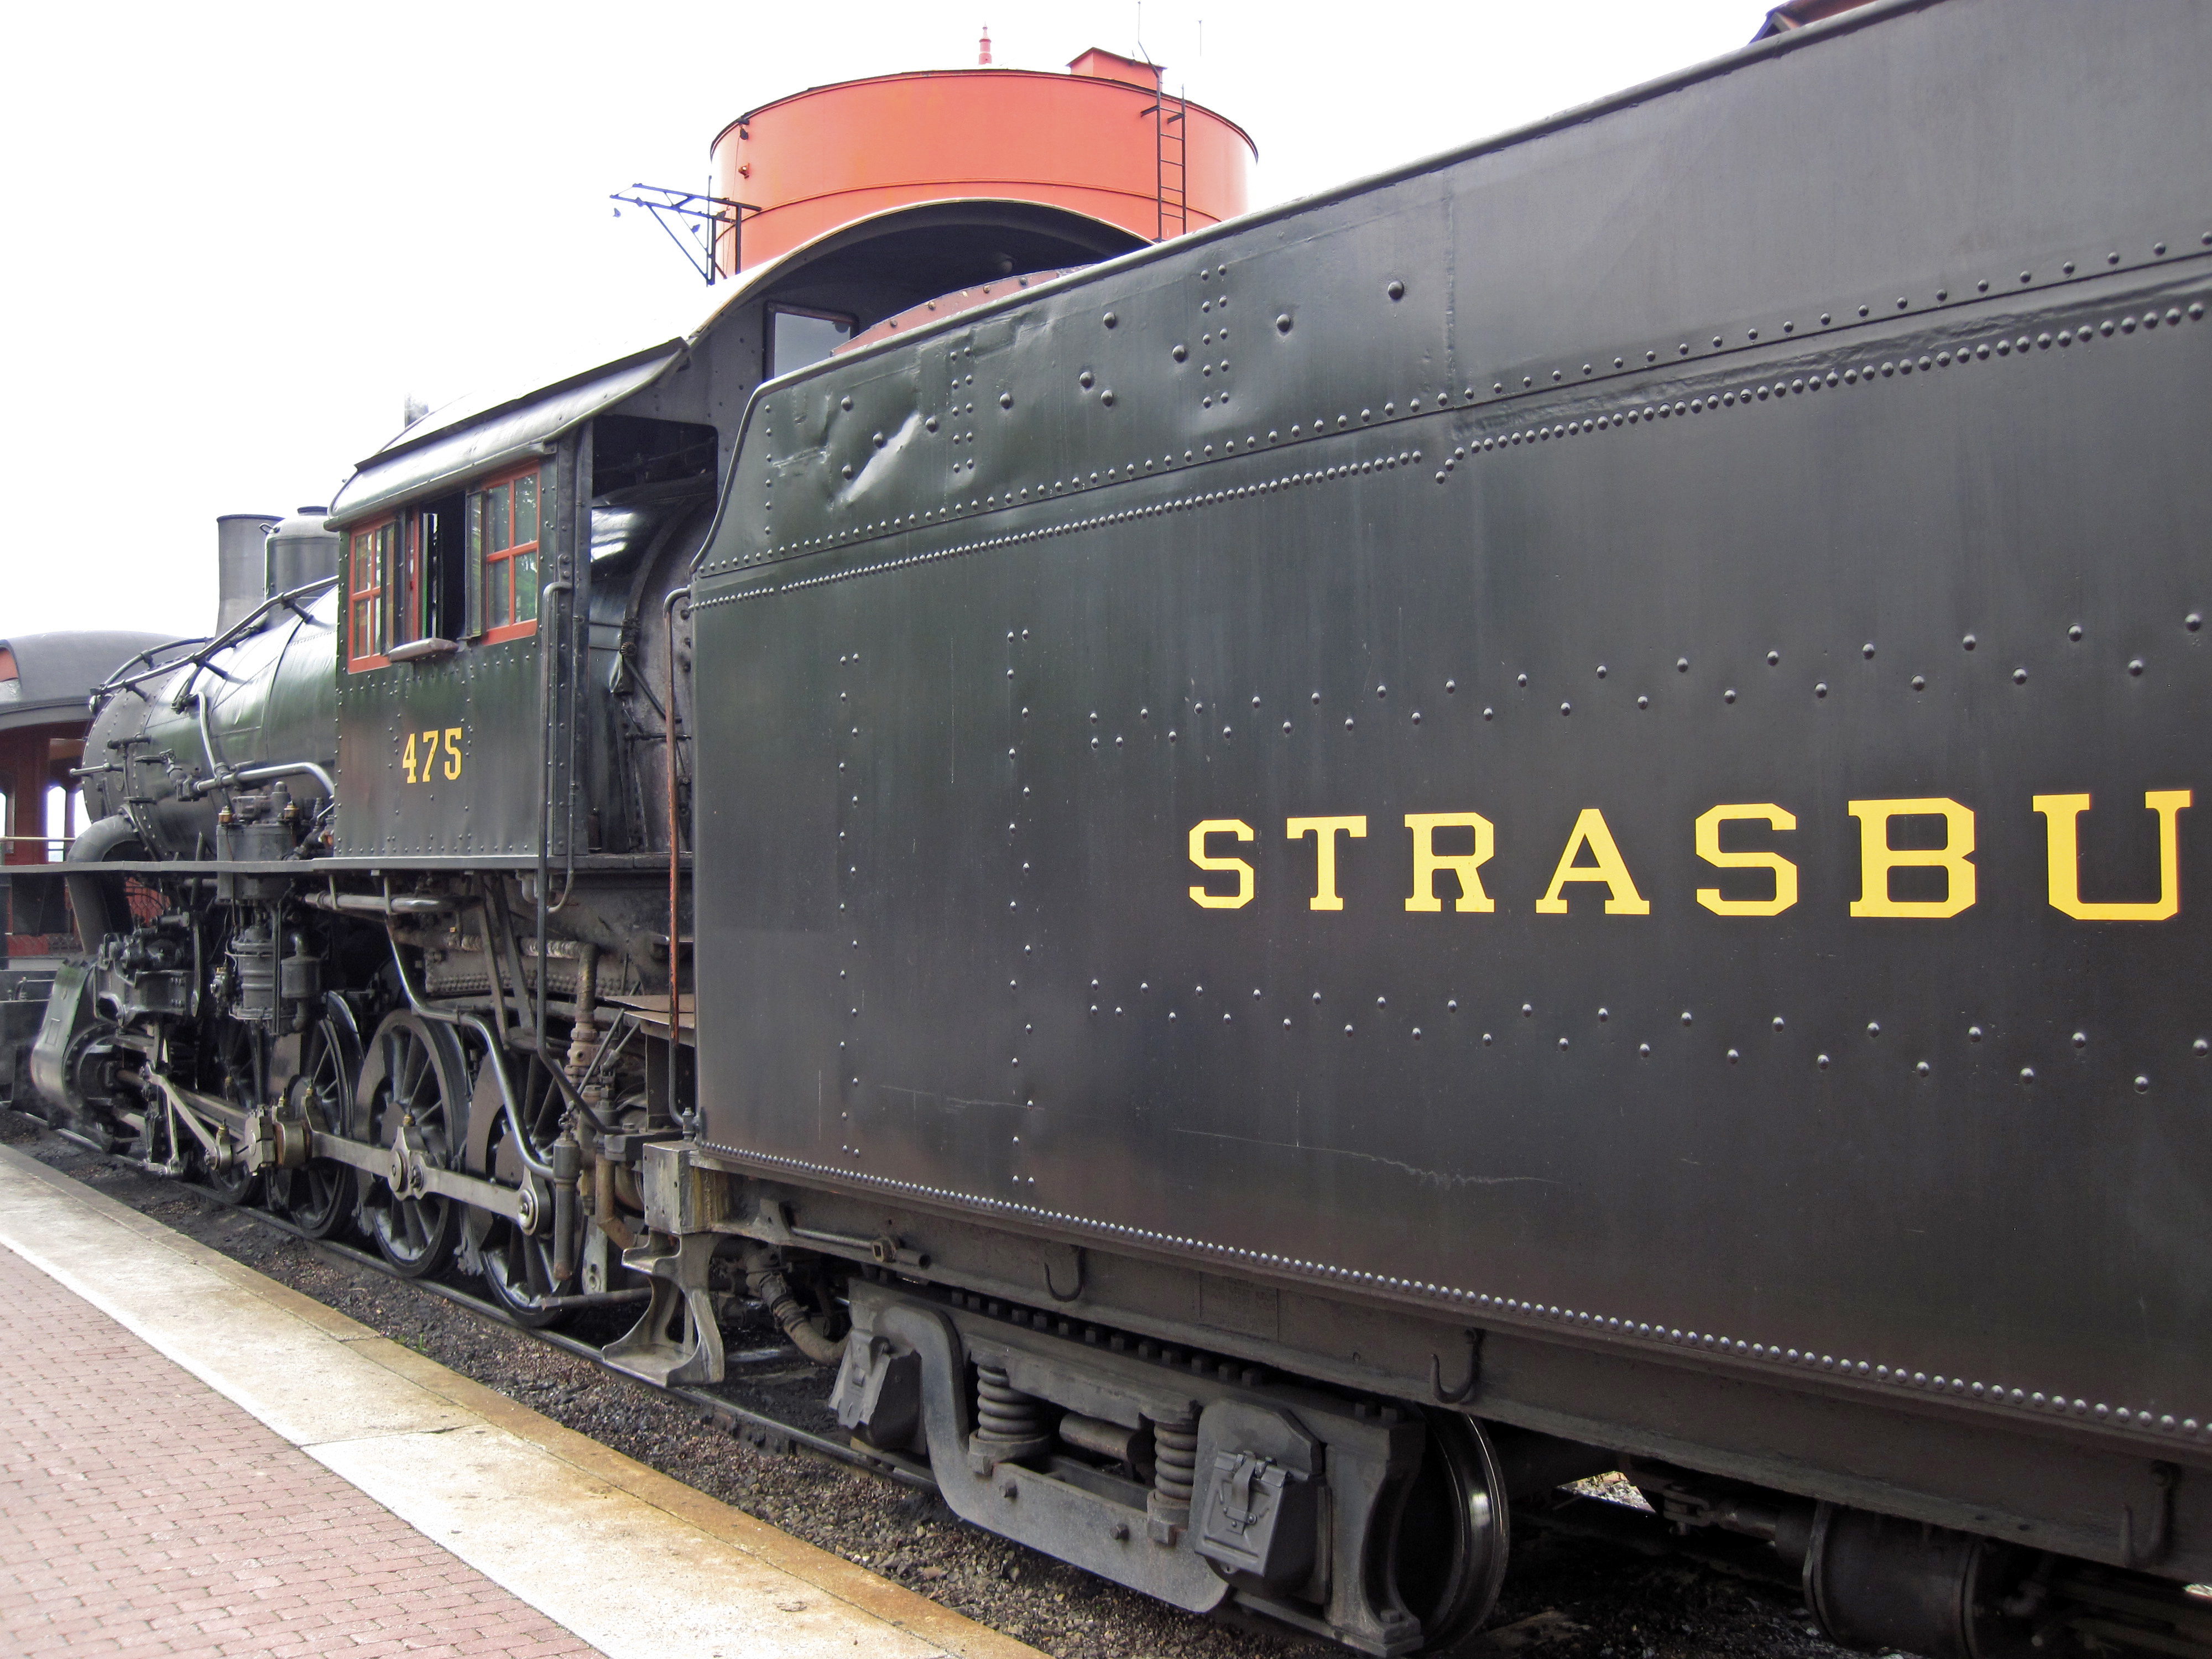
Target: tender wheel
[(413, 1084), (319, 1199), (1449, 1549)]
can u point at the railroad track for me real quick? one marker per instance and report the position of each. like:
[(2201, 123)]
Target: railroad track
[(758, 1427), (1593, 1520)]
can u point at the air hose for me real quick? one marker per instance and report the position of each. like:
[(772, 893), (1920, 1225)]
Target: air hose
[(764, 1283)]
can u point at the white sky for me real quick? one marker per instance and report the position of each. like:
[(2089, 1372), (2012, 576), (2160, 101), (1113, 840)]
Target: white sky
[(242, 235)]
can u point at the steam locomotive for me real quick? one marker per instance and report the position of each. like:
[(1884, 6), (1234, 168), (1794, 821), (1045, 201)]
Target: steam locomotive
[(1286, 887)]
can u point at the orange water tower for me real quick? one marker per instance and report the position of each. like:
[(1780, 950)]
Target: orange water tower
[(1105, 140)]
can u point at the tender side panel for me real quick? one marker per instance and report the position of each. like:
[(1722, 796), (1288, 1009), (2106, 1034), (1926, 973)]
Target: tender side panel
[(954, 749)]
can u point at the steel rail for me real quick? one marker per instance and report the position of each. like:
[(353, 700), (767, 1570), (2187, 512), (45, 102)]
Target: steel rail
[(729, 1413)]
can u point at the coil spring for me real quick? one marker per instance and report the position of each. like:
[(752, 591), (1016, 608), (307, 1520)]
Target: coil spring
[(1003, 1412), (1175, 1459)]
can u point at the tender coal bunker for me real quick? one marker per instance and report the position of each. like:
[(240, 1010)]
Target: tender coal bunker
[(881, 267)]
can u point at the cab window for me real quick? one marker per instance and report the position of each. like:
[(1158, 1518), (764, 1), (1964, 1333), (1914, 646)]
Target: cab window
[(509, 516), (368, 576)]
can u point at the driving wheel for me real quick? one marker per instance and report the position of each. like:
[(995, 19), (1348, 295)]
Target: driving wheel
[(518, 1267), (318, 1197), (413, 1090)]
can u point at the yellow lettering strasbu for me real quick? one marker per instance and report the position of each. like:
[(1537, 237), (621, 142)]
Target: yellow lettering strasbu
[(1593, 858), (1429, 864), (1877, 857), (2063, 813), (1709, 849), (1198, 856), (1325, 832), (1610, 870)]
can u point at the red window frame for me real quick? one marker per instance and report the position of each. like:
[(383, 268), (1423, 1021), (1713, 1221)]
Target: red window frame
[(510, 573), (369, 549), (407, 613)]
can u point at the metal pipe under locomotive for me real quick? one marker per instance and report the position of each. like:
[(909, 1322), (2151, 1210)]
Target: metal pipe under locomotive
[(1534, 816)]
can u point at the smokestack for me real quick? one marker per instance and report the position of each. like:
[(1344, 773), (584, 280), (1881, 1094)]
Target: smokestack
[(242, 564), (983, 51)]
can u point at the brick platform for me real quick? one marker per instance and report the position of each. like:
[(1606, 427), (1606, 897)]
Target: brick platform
[(146, 1515), (195, 1459)]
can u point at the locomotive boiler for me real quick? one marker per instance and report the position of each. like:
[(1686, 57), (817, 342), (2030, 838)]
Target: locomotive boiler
[(1288, 884)]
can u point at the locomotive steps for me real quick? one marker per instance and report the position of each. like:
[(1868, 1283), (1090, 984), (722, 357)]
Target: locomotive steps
[(674, 1574)]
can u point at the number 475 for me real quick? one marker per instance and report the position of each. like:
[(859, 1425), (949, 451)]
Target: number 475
[(420, 759)]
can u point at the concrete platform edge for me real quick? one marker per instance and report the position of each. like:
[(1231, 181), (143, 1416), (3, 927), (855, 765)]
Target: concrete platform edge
[(385, 1460)]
